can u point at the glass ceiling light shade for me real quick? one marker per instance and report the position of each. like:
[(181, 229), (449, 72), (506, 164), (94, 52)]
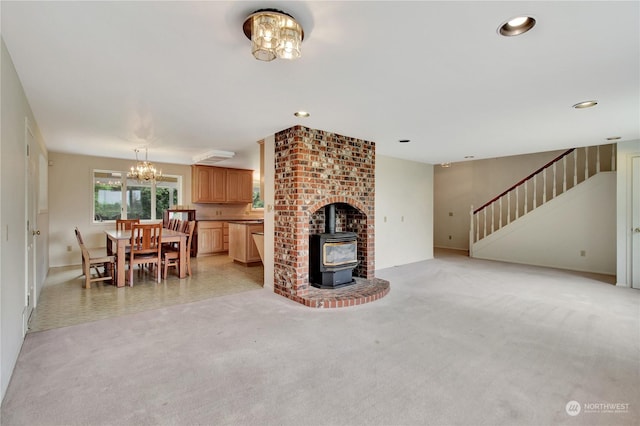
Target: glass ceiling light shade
[(273, 34), (144, 171)]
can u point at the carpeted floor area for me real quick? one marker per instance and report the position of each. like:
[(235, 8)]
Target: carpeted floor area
[(457, 341)]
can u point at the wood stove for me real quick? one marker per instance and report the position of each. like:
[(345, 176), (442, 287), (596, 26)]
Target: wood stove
[(332, 255)]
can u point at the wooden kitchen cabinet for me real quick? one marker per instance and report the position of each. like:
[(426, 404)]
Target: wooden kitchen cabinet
[(213, 237), (239, 186), (221, 185), (208, 184), (242, 247)]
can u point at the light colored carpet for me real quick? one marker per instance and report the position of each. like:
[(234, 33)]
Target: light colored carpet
[(457, 341)]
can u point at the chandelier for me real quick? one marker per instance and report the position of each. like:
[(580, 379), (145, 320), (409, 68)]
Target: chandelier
[(144, 171), (273, 34)]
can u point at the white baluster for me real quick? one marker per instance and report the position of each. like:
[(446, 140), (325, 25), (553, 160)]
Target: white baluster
[(554, 179), (517, 202), (535, 191), (471, 230), (484, 211), (564, 174), (598, 159), (544, 186), (586, 162), (500, 214), (526, 197), (575, 167), (493, 217), (509, 207)]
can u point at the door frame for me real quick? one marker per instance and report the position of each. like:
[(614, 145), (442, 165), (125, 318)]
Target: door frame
[(30, 226), (634, 246)]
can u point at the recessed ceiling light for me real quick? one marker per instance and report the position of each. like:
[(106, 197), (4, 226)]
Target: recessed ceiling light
[(469, 156), (614, 138), (585, 104), (404, 140), (302, 114), (516, 26)]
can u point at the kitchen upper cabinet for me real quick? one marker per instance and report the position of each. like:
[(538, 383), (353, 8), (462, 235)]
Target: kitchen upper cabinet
[(220, 185), (239, 186)]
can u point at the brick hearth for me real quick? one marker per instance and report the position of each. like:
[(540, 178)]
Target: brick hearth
[(314, 168)]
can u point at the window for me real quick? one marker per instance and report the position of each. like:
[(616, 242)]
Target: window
[(115, 196), (258, 202)]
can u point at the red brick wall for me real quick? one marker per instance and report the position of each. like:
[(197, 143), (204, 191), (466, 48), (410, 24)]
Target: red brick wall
[(315, 168)]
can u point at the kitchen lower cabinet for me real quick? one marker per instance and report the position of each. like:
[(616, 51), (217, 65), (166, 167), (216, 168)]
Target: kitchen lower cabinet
[(213, 237), (242, 247)]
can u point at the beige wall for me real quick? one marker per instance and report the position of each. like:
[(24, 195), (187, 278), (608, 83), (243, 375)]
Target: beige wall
[(71, 198), (13, 214), (576, 231), (71, 202), (468, 183), (404, 212)]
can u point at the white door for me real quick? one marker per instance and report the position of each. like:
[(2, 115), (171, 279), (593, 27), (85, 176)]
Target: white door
[(31, 227), (635, 224)]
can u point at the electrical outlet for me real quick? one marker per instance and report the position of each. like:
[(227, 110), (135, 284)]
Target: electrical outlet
[(583, 253), (69, 248), (450, 213), (449, 236), (385, 219)]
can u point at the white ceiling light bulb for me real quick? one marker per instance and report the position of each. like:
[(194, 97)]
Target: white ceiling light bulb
[(516, 22)]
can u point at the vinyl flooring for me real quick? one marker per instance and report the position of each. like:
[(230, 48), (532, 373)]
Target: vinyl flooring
[(64, 301)]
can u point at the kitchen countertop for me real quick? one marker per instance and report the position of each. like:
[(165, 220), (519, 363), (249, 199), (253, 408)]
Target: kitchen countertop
[(228, 220), (247, 222)]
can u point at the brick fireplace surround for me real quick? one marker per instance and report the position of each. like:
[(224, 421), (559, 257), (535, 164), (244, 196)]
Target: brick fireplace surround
[(314, 168)]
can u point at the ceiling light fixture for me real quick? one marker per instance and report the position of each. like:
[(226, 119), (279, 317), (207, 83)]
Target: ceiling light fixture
[(273, 34), (404, 140), (585, 104), (516, 26), (614, 138), (144, 171), (469, 156), (302, 114)]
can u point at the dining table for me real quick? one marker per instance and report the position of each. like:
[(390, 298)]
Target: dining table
[(118, 241)]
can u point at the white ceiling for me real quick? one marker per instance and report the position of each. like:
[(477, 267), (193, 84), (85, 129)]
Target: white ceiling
[(104, 78)]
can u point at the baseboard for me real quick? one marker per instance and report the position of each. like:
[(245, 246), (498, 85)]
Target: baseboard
[(452, 248)]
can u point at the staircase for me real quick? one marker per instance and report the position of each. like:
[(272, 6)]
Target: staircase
[(555, 178)]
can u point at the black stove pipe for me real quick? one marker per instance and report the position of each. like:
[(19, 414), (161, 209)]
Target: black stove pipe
[(330, 219)]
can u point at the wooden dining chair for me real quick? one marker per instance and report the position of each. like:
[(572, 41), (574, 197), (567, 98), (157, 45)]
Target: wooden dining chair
[(171, 255), (125, 224), (145, 247), (95, 258)]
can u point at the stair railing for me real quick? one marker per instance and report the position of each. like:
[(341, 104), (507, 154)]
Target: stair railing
[(567, 170)]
